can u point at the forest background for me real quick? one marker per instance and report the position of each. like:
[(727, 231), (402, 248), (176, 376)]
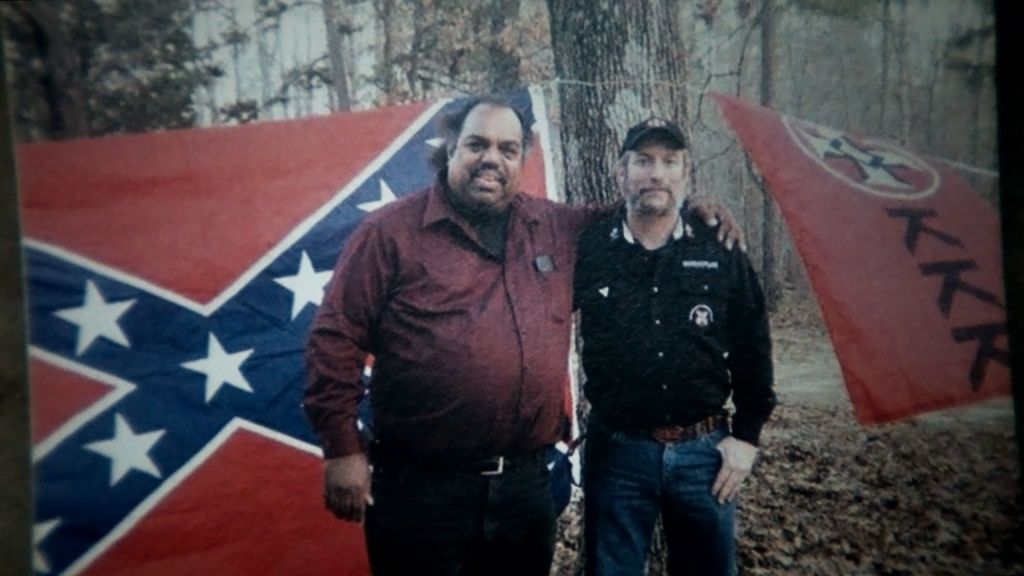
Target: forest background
[(934, 495)]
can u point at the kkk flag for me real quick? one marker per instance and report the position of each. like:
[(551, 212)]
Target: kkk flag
[(903, 255), (172, 279)]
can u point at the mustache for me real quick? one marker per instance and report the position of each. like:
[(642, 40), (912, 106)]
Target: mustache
[(480, 170)]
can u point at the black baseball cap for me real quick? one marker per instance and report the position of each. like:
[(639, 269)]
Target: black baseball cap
[(664, 128)]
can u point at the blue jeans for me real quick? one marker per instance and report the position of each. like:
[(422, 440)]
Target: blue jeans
[(630, 479)]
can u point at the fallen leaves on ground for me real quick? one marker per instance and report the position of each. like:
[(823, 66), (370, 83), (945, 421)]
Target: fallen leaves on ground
[(937, 495)]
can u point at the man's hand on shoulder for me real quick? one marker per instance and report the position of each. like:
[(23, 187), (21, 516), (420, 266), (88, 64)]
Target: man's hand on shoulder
[(347, 486), (714, 213), (737, 462)]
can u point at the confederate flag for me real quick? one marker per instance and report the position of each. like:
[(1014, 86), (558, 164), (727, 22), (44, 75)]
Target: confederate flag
[(172, 279)]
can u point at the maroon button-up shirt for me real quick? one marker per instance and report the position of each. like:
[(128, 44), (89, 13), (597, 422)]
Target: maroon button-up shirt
[(470, 352)]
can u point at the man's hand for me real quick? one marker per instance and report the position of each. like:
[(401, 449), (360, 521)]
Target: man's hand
[(347, 486), (714, 213), (737, 461)]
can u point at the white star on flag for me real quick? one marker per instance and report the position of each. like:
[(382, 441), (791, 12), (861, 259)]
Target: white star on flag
[(96, 318), (386, 197), (40, 530), (127, 450), (603, 291), (307, 285), (435, 142), (220, 368)]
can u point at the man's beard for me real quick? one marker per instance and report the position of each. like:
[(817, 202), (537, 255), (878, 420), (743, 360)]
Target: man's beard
[(638, 206), (469, 205)]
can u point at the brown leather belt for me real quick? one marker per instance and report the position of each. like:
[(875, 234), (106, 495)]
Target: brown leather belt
[(667, 434)]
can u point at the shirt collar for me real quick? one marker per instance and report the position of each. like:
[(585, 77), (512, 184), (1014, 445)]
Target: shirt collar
[(627, 234), (438, 208)]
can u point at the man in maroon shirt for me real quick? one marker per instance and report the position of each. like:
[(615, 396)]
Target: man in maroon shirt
[(463, 294)]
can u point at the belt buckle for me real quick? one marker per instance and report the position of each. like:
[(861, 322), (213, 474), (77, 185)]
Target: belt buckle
[(496, 471)]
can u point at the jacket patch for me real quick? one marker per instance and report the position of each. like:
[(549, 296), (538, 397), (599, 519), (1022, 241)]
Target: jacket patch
[(702, 315), (706, 264)]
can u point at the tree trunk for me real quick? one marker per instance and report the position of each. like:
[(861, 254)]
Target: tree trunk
[(976, 81), (339, 70), (236, 42), (64, 88), (884, 72), (904, 77), (419, 32), (266, 54), (15, 483), (772, 260), (617, 63), (385, 76), (503, 69), (205, 94)]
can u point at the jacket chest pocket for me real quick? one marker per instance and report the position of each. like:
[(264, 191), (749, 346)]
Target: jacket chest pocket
[(702, 305)]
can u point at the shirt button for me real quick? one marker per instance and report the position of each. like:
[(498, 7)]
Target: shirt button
[(664, 386), (661, 354), (654, 289), (704, 287), (657, 322)]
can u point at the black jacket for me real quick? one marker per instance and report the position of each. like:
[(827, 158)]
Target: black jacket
[(669, 334)]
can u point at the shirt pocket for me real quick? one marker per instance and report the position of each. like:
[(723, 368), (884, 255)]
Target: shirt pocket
[(703, 310), (702, 313)]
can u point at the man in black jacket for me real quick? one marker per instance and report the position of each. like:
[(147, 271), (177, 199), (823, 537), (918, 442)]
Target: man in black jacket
[(672, 324)]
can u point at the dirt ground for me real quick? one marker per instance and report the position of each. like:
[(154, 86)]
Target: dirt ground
[(935, 495)]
